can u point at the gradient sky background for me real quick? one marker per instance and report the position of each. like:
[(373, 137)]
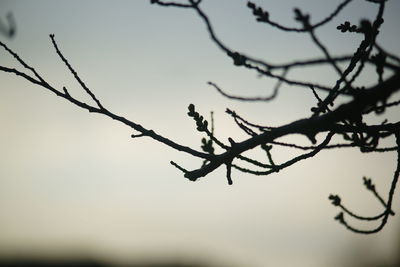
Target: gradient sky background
[(74, 183)]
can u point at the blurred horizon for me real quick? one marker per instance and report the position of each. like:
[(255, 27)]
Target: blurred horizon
[(75, 185)]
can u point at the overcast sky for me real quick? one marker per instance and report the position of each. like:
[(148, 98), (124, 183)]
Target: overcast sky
[(75, 183)]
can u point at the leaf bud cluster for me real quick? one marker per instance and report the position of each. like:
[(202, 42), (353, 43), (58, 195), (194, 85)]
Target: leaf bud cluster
[(201, 123)]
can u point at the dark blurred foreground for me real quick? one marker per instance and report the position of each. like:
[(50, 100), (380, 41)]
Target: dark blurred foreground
[(86, 263)]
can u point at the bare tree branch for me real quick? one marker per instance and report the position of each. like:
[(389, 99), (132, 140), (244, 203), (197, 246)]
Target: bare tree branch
[(327, 116)]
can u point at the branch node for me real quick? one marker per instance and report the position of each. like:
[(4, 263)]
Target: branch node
[(179, 168)]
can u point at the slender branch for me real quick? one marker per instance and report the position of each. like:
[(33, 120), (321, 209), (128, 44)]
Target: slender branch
[(309, 127), (389, 203), (21, 74), (76, 76), (265, 18), (15, 55), (345, 119), (277, 168), (169, 4), (241, 98), (100, 109)]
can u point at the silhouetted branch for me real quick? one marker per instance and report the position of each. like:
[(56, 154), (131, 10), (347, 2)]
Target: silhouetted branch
[(242, 98), (252, 99), (327, 116), (170, 4), (383, 216), (371, 187), (99, 109), (236, 117), (277, 168), (83, 85), (26, 66), (263, 16)]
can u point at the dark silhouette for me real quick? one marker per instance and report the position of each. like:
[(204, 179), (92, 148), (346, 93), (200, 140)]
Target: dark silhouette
[(71, 262), (327, 117)]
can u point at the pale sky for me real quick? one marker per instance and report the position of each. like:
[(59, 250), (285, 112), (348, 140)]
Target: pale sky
[(75, 183)]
